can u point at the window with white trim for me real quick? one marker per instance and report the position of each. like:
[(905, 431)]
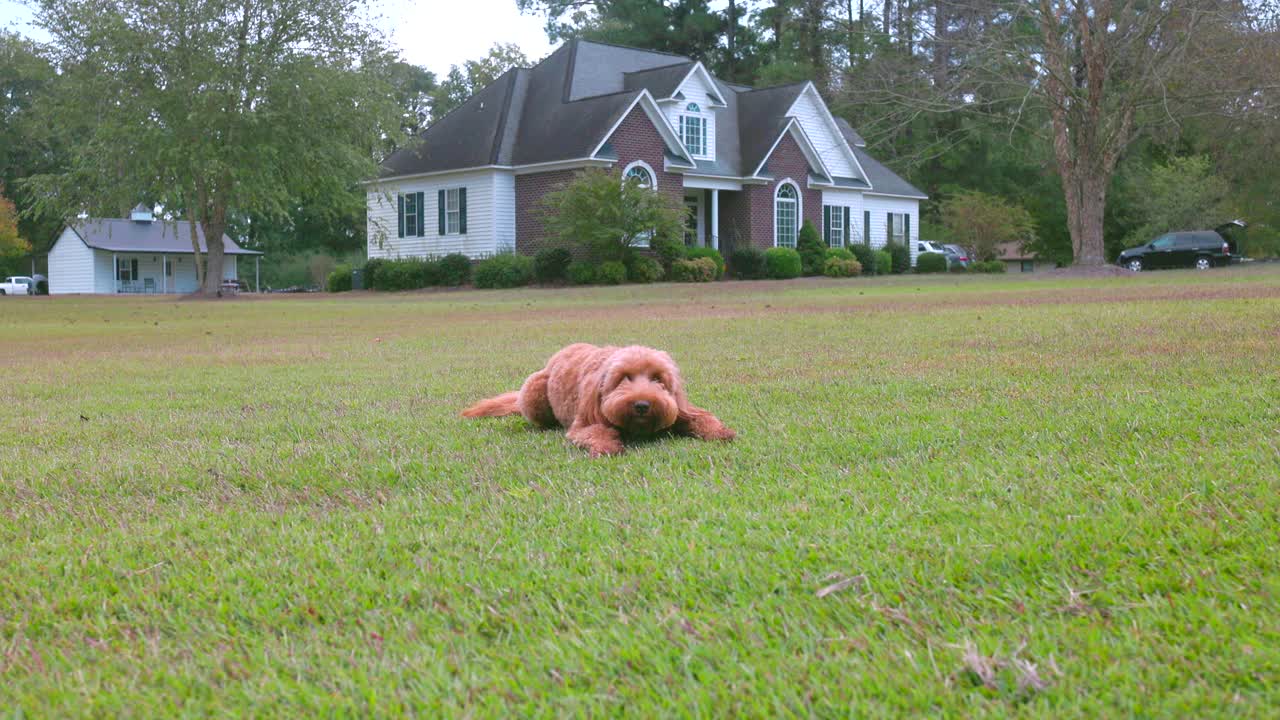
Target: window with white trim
[(834, 215), (641, 174), (412, 214), (452, 211), (693, 130), (898, 227), (786, 213)]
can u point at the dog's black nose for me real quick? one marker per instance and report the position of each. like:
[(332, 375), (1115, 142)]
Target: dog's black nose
[(641, 407)]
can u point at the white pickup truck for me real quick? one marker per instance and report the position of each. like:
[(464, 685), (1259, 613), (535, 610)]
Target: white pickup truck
[(17, 285)]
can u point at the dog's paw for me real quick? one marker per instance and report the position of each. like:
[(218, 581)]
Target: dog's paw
[(720, 433), (605, 450)]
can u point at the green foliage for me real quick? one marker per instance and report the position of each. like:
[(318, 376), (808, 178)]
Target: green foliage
[(611, 272), (748, 263), (410, 274), (305, 269), (931, 262), (606, 216), (884, 262), (1182, 194), (581, 272), (989, 266), (462, 82), (644, 269), (455, 269), (339, 280), (507, 270), (983, 222), (709, 253), (11, 244), (900, 255), (701, 269), (1262, 241), (839, 267), (813, 252), (840, 253), (957, 268), (668, 250), (551, 265), (782, 263), (865, 256), (371, 268)]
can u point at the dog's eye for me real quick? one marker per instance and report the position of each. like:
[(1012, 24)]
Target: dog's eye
[(626, 378), (657, 379)]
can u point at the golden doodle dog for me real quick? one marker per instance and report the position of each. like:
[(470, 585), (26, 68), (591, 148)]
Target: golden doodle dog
[(605, 394)]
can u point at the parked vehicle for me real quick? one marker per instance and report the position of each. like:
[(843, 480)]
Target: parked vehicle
[(1200, 249), (957, 255), (18, 285), (925, 246)]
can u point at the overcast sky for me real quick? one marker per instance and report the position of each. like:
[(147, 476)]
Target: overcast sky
[(433, 34)]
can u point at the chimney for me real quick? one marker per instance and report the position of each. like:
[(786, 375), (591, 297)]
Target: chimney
[(142, 214)]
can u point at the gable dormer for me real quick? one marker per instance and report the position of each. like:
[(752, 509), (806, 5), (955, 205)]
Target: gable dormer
[(691, 108), (823, 131)]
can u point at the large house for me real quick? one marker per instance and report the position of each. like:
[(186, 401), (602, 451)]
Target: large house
[(751, 165), (136, 255)]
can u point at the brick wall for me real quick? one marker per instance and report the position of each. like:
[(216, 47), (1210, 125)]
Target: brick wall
[(746, 217), (635, 139)]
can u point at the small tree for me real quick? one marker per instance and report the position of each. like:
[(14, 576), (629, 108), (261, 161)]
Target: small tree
[(608, 216), (11, 244), (982, 223), (1182, 194), (813, 252)]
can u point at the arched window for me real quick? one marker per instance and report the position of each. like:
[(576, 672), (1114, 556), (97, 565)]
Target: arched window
[(786, 215), (639, 172), (692, 107)]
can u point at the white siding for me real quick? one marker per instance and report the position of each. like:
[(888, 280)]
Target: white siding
[(70, 265), (694, 90), (809, 110), (851, 199), (103, 272), (504, 211), (880, 207), (480, 240)]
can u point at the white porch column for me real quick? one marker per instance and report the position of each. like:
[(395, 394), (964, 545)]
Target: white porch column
[(715, 219), (164, 274), (115, 278), (257, 273)]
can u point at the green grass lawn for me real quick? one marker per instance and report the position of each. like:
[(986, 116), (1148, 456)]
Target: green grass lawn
[(1036, 497)]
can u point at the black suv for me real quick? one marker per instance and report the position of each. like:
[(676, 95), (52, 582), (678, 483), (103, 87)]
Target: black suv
[(1201, 249)]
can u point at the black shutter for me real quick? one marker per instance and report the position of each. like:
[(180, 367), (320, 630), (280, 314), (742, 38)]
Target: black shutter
[(440, 207), (826, 225), (888, 228), (906, 226), (848, 229), (866, 227), (462, 211), (400, 212), (422, 214)]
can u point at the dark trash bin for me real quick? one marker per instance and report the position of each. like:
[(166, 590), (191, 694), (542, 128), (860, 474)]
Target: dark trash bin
[(357, 279)]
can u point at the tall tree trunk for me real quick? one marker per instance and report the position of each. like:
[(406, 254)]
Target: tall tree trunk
[(732, 41), (1086, 196), (941, 44), (888, 22), (196, 253), (214, 227)]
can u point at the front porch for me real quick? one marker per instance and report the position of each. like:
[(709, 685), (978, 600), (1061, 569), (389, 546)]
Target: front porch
[(158, 273)]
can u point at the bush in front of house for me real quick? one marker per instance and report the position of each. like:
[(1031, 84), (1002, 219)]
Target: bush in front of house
[(410, 274), (813, 252), (989, 266), (339, 280), (667, 250), (837, 252), (884, 262), (644, 269), (507, 270), (931, 262), (581, 272), (455, 269), (612, 272), (865, 256), (748, 264), (551, 265), (958, 268), (782, 263), (701, 269), (838, 267), (901, 255), (371, 268), (712, 254)]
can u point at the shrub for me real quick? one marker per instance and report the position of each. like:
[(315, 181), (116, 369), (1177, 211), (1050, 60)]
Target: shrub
[(551, 265), (840, 253), (42, 287), (712, 254), (581, 272), (989, 266), (701, 269), (782, 263), (371, 268), (884, 262), (504, 271), (407, 274), (813, 253), (901, 255), (339, 280), (667, 250), (455, 269), (611, 273), (644, 269), (607, 216), (865, 256), (958, 268), (931, 262), (748, 264), (838, 267)]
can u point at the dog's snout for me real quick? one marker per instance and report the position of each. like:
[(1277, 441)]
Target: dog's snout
[(641, 407)]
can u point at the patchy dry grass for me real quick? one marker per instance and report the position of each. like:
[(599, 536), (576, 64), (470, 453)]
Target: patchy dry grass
[(972, 496)]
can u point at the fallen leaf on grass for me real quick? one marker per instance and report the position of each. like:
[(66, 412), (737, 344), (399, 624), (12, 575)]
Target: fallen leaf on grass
[(842, 584)]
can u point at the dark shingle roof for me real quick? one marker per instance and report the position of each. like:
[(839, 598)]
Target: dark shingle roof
[(761, 118), (152, 237), (883, 180), (660, 82), (851, 136)]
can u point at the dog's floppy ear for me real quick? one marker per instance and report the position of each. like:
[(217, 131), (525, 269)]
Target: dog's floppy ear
[(590, 389)]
